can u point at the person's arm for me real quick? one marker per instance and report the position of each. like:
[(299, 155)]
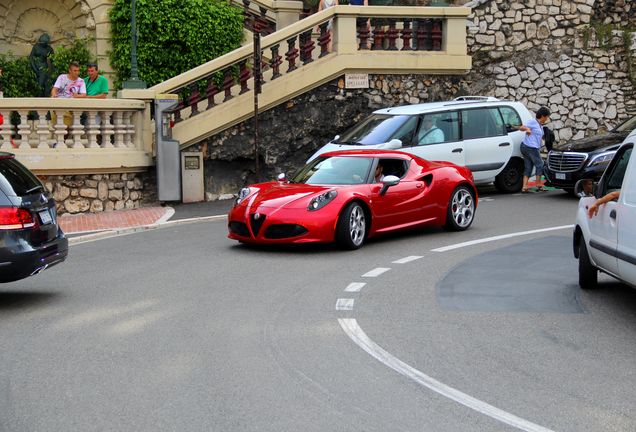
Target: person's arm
[(593, 209), (81, 94), (54, 91)]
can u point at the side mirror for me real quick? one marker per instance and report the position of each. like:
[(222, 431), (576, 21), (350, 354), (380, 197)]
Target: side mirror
[(584, 188), (393, 144), (282, 177), (387, 182)]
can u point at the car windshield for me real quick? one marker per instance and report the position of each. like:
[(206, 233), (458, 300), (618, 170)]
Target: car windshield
[(627, 126), (15, 179), (337, 170), (376, 129)]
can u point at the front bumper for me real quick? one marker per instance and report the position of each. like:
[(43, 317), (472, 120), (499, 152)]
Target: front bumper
[(281, 226), (567, 180)]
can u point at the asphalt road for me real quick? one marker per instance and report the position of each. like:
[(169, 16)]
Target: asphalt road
[(181, 329)]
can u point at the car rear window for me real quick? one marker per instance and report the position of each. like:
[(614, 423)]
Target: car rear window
[(16, 179), (378, 129)]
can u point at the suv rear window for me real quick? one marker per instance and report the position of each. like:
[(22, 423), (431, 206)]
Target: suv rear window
[(16, 179)]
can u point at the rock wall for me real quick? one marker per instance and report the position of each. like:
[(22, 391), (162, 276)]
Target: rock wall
[(99, 192), (575, 56)]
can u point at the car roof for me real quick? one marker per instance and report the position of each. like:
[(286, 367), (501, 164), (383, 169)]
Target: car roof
[(5, 155), (466, 101), (369, 153)]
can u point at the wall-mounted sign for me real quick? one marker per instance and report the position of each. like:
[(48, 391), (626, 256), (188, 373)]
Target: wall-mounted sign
[(357, 81), (191, 162)]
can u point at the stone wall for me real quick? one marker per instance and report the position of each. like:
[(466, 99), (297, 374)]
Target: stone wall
[(571, 55), (100, 192)]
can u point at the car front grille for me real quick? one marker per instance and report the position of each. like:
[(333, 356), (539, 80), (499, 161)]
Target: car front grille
[(566, 161), (239, 228), (281, 231), (256, 221)]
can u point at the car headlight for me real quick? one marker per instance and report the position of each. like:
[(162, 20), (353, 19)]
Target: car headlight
[(322, 200), (243, 193), (602, 158)]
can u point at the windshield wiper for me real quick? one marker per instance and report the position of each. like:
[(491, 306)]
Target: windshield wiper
[(33, 189)]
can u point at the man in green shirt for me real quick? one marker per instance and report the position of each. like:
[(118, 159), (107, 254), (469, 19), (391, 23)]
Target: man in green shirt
[(96, 84)]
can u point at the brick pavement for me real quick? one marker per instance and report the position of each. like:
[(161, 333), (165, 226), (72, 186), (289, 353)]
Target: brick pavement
[(91, 222)]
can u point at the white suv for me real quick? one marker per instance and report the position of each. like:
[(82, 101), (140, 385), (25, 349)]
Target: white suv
[(607, 241), (480, 133)]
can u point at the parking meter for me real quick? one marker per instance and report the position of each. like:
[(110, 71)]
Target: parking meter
[(168, 157)]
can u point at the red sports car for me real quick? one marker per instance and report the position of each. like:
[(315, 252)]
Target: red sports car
[(348, 196)]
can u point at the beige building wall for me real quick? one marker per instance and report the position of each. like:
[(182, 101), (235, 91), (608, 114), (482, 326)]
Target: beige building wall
[(23, 21)]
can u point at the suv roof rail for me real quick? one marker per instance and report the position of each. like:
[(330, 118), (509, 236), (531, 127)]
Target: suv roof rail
[(476, 98)]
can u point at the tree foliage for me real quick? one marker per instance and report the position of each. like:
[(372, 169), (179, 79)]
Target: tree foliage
[(173, 36)]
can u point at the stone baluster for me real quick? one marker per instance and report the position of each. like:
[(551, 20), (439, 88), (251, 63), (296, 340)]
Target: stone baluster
[(60, 130), (378, 35), (324, 39), (244, 76), (292, 54), (393, 35), (24, 130), (7, 131), (120, 128), (210, 91), (77, 129), (307, 47), (130, 129), (436, 35), (228, 83), (43, 130), (92, 129), (193, 100), (107, 129), (276, 61), (407, 35), (363, 33)]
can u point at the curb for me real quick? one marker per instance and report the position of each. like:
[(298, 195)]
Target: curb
[(163, 222)]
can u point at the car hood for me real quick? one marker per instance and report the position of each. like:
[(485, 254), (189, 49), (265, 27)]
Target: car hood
[(290, 195), (592, 143)]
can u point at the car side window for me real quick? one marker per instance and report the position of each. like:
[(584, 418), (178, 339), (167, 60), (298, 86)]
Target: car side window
[(406, 132), (438, 128), (482, 123), (511, 118), (616, 176), (394, 167)]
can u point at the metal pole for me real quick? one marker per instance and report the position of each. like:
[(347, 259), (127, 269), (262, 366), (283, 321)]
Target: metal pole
[(257, 89), (133, 82)]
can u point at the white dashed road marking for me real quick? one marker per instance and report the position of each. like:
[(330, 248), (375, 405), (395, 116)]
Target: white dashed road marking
[(355, 286), (355, 333), (376, 272), (344, 304), (407, 259)]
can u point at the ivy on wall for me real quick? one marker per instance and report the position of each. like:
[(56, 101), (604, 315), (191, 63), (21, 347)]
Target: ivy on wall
[(173, 36)]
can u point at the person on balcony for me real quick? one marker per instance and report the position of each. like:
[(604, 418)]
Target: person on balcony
[(96, 84), (69, 85)]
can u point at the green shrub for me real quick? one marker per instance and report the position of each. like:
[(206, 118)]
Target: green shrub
[(77, 51), (173, 36)]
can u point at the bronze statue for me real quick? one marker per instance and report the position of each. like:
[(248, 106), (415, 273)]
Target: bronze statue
[(40, 61)]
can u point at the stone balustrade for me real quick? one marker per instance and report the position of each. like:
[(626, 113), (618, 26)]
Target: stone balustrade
[(76, 135)]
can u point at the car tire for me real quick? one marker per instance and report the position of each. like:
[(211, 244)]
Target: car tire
[(461, 209), (351, 229), (511, 178), (588, 274)]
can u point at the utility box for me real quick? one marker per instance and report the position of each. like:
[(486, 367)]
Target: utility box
[(192, 177), (168, 175)]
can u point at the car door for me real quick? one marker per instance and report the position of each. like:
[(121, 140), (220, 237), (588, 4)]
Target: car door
[(604, 226), (487, 146), (401, 205), (626, 220), (444, 143)]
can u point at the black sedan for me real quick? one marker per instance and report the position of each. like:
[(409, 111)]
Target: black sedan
[(584, 158), (30, 238)]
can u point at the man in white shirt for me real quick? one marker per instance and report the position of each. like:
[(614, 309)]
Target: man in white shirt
[(429, 133), (69, 85)]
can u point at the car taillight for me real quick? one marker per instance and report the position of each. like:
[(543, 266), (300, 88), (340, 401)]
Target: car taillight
[(15, 218)]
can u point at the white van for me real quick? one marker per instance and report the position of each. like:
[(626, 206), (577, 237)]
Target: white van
[(478, 132), (607, 241)]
